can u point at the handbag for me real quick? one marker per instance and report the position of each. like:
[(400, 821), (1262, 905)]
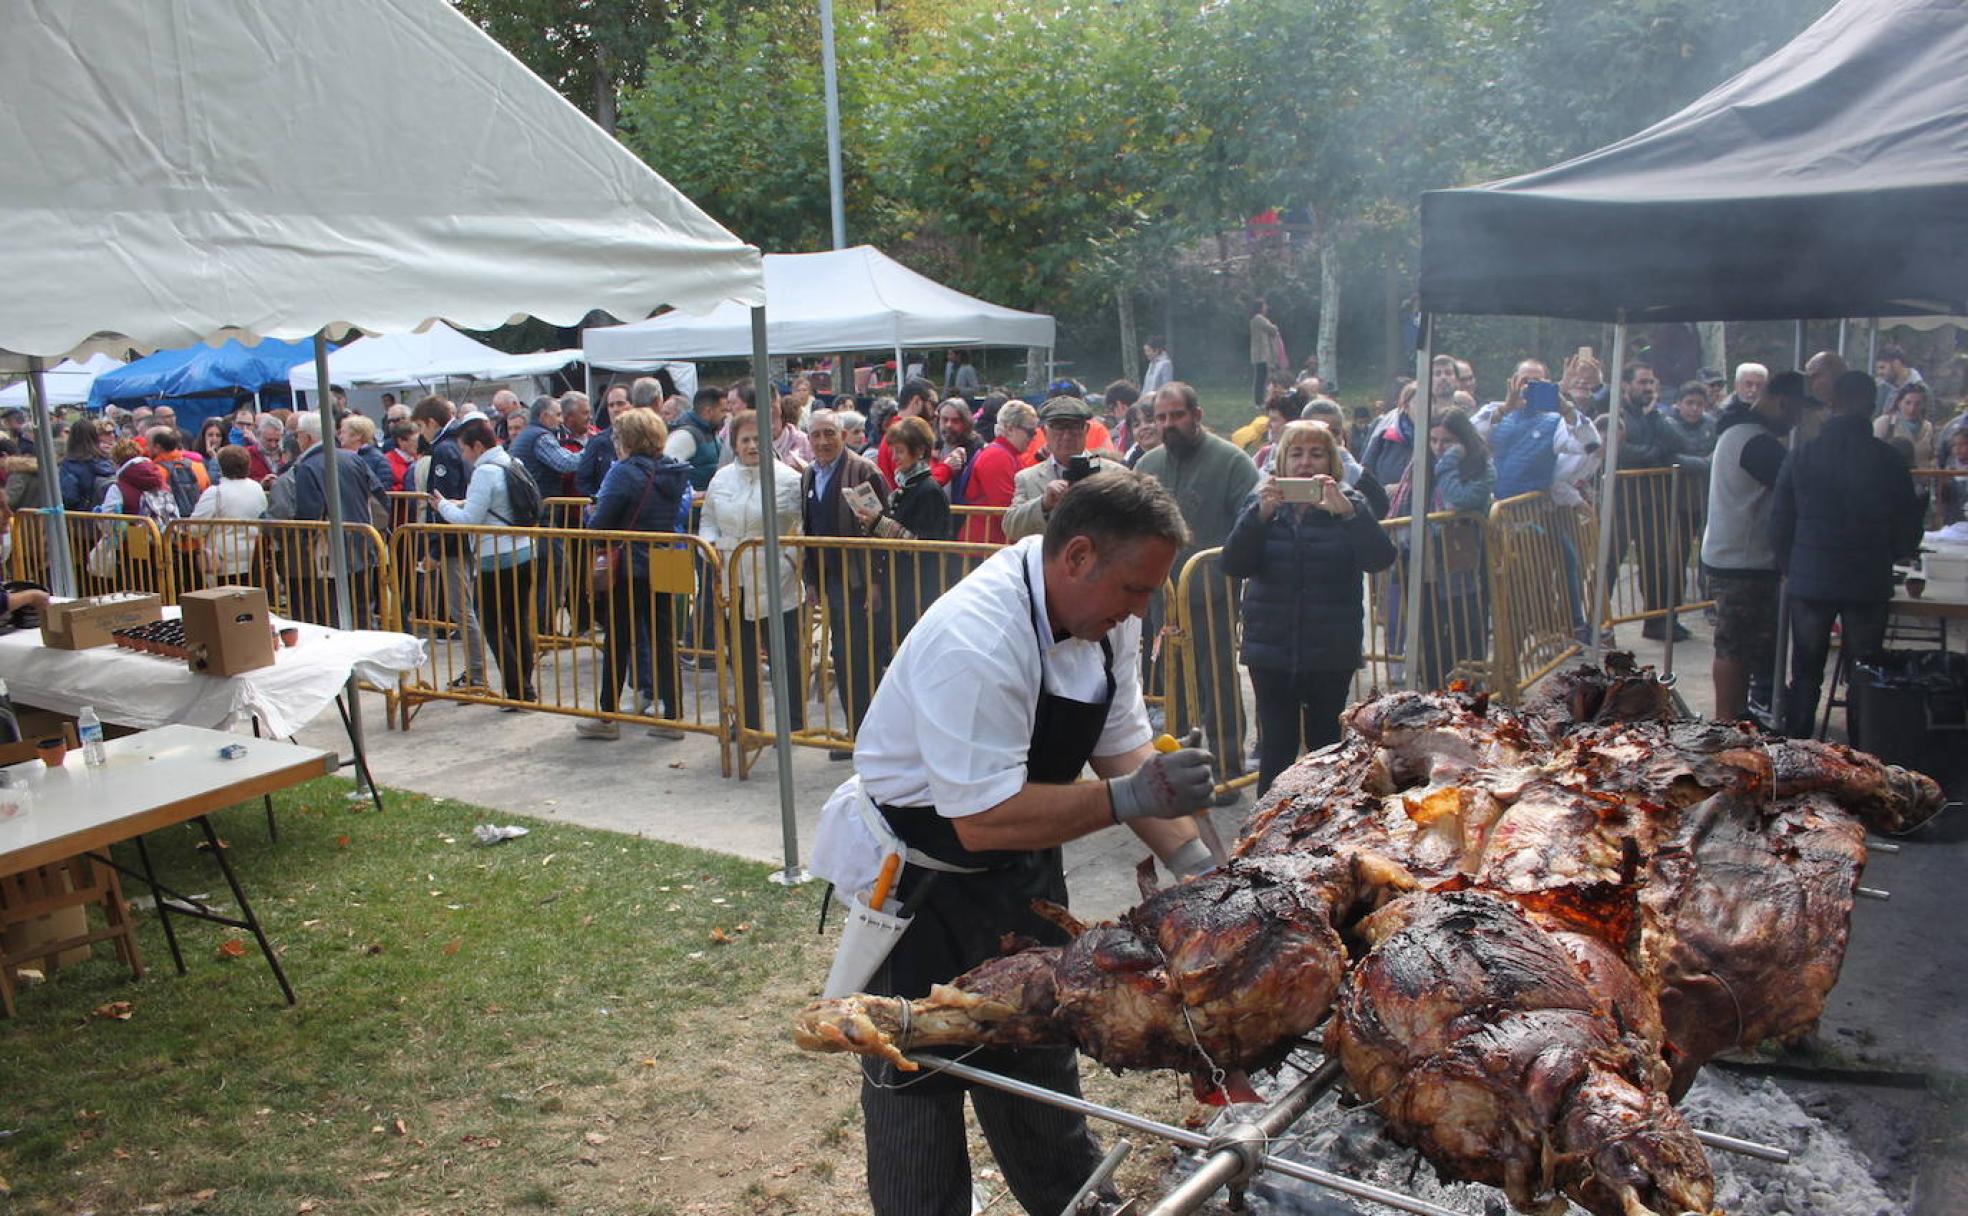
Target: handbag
[(606, 571)]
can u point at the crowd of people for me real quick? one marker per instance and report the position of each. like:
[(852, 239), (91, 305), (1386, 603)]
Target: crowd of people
[(1293, 497)]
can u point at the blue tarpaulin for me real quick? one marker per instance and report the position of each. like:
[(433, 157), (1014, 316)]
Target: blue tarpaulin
[(201, 369)]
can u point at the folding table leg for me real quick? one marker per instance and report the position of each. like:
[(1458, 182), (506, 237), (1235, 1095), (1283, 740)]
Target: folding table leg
[(252, 922), (158, 896), (361, 755), (273, 829)]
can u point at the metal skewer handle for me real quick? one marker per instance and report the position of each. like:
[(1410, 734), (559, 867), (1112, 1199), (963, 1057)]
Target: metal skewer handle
[(1184, 1137)]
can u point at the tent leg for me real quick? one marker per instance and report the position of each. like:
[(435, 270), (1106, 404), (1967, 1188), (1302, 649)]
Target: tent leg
[(61, 571), (1421, 479), (1872, 346), (338, 563), (782, 710), (899, 371), (1780, 663), (1602, 576), (1843, 327)]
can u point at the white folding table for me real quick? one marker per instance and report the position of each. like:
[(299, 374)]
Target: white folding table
[(153, 779)]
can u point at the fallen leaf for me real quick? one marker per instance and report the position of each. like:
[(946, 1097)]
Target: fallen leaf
[(4, 1188), (373, 948), (588, 1159), (307, 1205), (378, 1176), (587, 920), (398, 1127), (595, 1138), (119, 1010), (87, 1116), (232, 947), (695, 954), (121, 1154), (548, 859), (206, 845), (719, 936), (649, 1062), (676, 764), (341, 842), (744, 926), (453, 946), (204, 1196)]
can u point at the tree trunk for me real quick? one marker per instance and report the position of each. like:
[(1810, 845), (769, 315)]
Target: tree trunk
[(1130, 344), (1327, 349), (1391, 344), (1715, 353), (604, 91)]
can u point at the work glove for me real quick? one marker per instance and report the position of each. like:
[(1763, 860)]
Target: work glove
[(1168, 785), (1191, 859)]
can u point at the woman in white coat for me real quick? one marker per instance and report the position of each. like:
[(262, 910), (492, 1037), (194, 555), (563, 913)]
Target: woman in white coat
[(227, 549), (734, 512)]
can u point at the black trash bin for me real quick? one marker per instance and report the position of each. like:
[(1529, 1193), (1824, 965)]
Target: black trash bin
[(1912, 710)]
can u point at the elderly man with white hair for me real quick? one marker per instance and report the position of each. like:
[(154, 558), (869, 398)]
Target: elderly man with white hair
[(310, 598), (1751, 379)]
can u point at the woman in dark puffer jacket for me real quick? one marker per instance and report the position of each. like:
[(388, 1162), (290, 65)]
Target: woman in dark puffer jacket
[(1305, 564)]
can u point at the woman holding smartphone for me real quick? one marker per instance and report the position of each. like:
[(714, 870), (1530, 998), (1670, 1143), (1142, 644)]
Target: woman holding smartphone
[(1304, 543)]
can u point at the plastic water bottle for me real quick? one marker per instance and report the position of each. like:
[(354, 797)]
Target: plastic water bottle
[(90, 727), (15, 799)]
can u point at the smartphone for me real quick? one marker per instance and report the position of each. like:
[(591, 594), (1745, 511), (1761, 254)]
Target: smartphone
[(1541, 396), (1299, 489)]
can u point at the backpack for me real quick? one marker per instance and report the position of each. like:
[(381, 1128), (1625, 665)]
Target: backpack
[(524, 494), (159, 506), (182, 481)]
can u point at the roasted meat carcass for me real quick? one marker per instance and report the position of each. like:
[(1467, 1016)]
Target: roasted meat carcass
[(1480, 1039), (1604, 898), (1746, 916), (1224, 972)]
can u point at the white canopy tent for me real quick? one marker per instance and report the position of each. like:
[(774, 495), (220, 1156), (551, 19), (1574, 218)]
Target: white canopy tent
[(68, 382), (437, 353), (180, 170), (846, 300)]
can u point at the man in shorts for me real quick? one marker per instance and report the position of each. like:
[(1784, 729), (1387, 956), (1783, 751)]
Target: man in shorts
[(1737, 553)]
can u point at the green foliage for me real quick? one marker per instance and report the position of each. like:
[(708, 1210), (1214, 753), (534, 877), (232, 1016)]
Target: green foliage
[(1044, 152)]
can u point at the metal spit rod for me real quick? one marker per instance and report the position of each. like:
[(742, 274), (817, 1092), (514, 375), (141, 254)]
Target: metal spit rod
[(1184, 1137), (1881, 846), (1233, 1163), (1744, 1148), (1873, 893)]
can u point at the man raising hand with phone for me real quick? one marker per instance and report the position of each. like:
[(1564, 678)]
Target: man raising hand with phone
[(1037, 490)]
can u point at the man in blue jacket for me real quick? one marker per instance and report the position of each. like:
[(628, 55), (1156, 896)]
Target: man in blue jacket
[(600, 452), (1845, 510), (357, 489)]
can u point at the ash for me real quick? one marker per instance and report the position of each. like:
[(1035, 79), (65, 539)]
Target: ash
[(1827, 1175)]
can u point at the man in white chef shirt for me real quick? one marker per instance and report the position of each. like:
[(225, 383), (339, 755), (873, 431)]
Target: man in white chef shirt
[(1012, 683)]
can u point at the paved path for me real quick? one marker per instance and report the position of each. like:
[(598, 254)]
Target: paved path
[(532, 764)]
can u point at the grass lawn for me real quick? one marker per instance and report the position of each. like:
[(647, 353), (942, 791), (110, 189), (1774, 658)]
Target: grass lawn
[(546, 1024)]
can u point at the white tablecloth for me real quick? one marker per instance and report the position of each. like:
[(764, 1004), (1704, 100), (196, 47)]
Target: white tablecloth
[(145, 691)]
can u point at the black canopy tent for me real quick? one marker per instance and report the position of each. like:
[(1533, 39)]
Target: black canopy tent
[(1830, 180)]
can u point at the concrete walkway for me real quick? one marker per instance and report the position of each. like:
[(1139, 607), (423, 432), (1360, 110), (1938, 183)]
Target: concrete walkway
[(532, 764)]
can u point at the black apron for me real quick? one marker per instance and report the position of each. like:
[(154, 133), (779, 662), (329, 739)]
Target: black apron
[(961, 920)]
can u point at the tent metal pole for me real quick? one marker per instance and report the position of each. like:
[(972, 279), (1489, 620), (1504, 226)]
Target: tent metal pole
[(1780, 661), (899, 370), (338, 564), (1843, 326), (1421, 481), (775, 638), (836, 198), (1872, 346), (1603, 573), (61, 571)]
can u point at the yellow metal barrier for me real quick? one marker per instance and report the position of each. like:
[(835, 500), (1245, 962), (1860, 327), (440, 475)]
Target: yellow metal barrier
[(979, 525), (1657, 528), (291, 560), (1455, 643), (478, 619), (1205, 681), (1542, 558), (858, 600), (106, 552)]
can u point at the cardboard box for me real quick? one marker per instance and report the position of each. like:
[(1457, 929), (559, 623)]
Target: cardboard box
[(81, 624), (227, 630)]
